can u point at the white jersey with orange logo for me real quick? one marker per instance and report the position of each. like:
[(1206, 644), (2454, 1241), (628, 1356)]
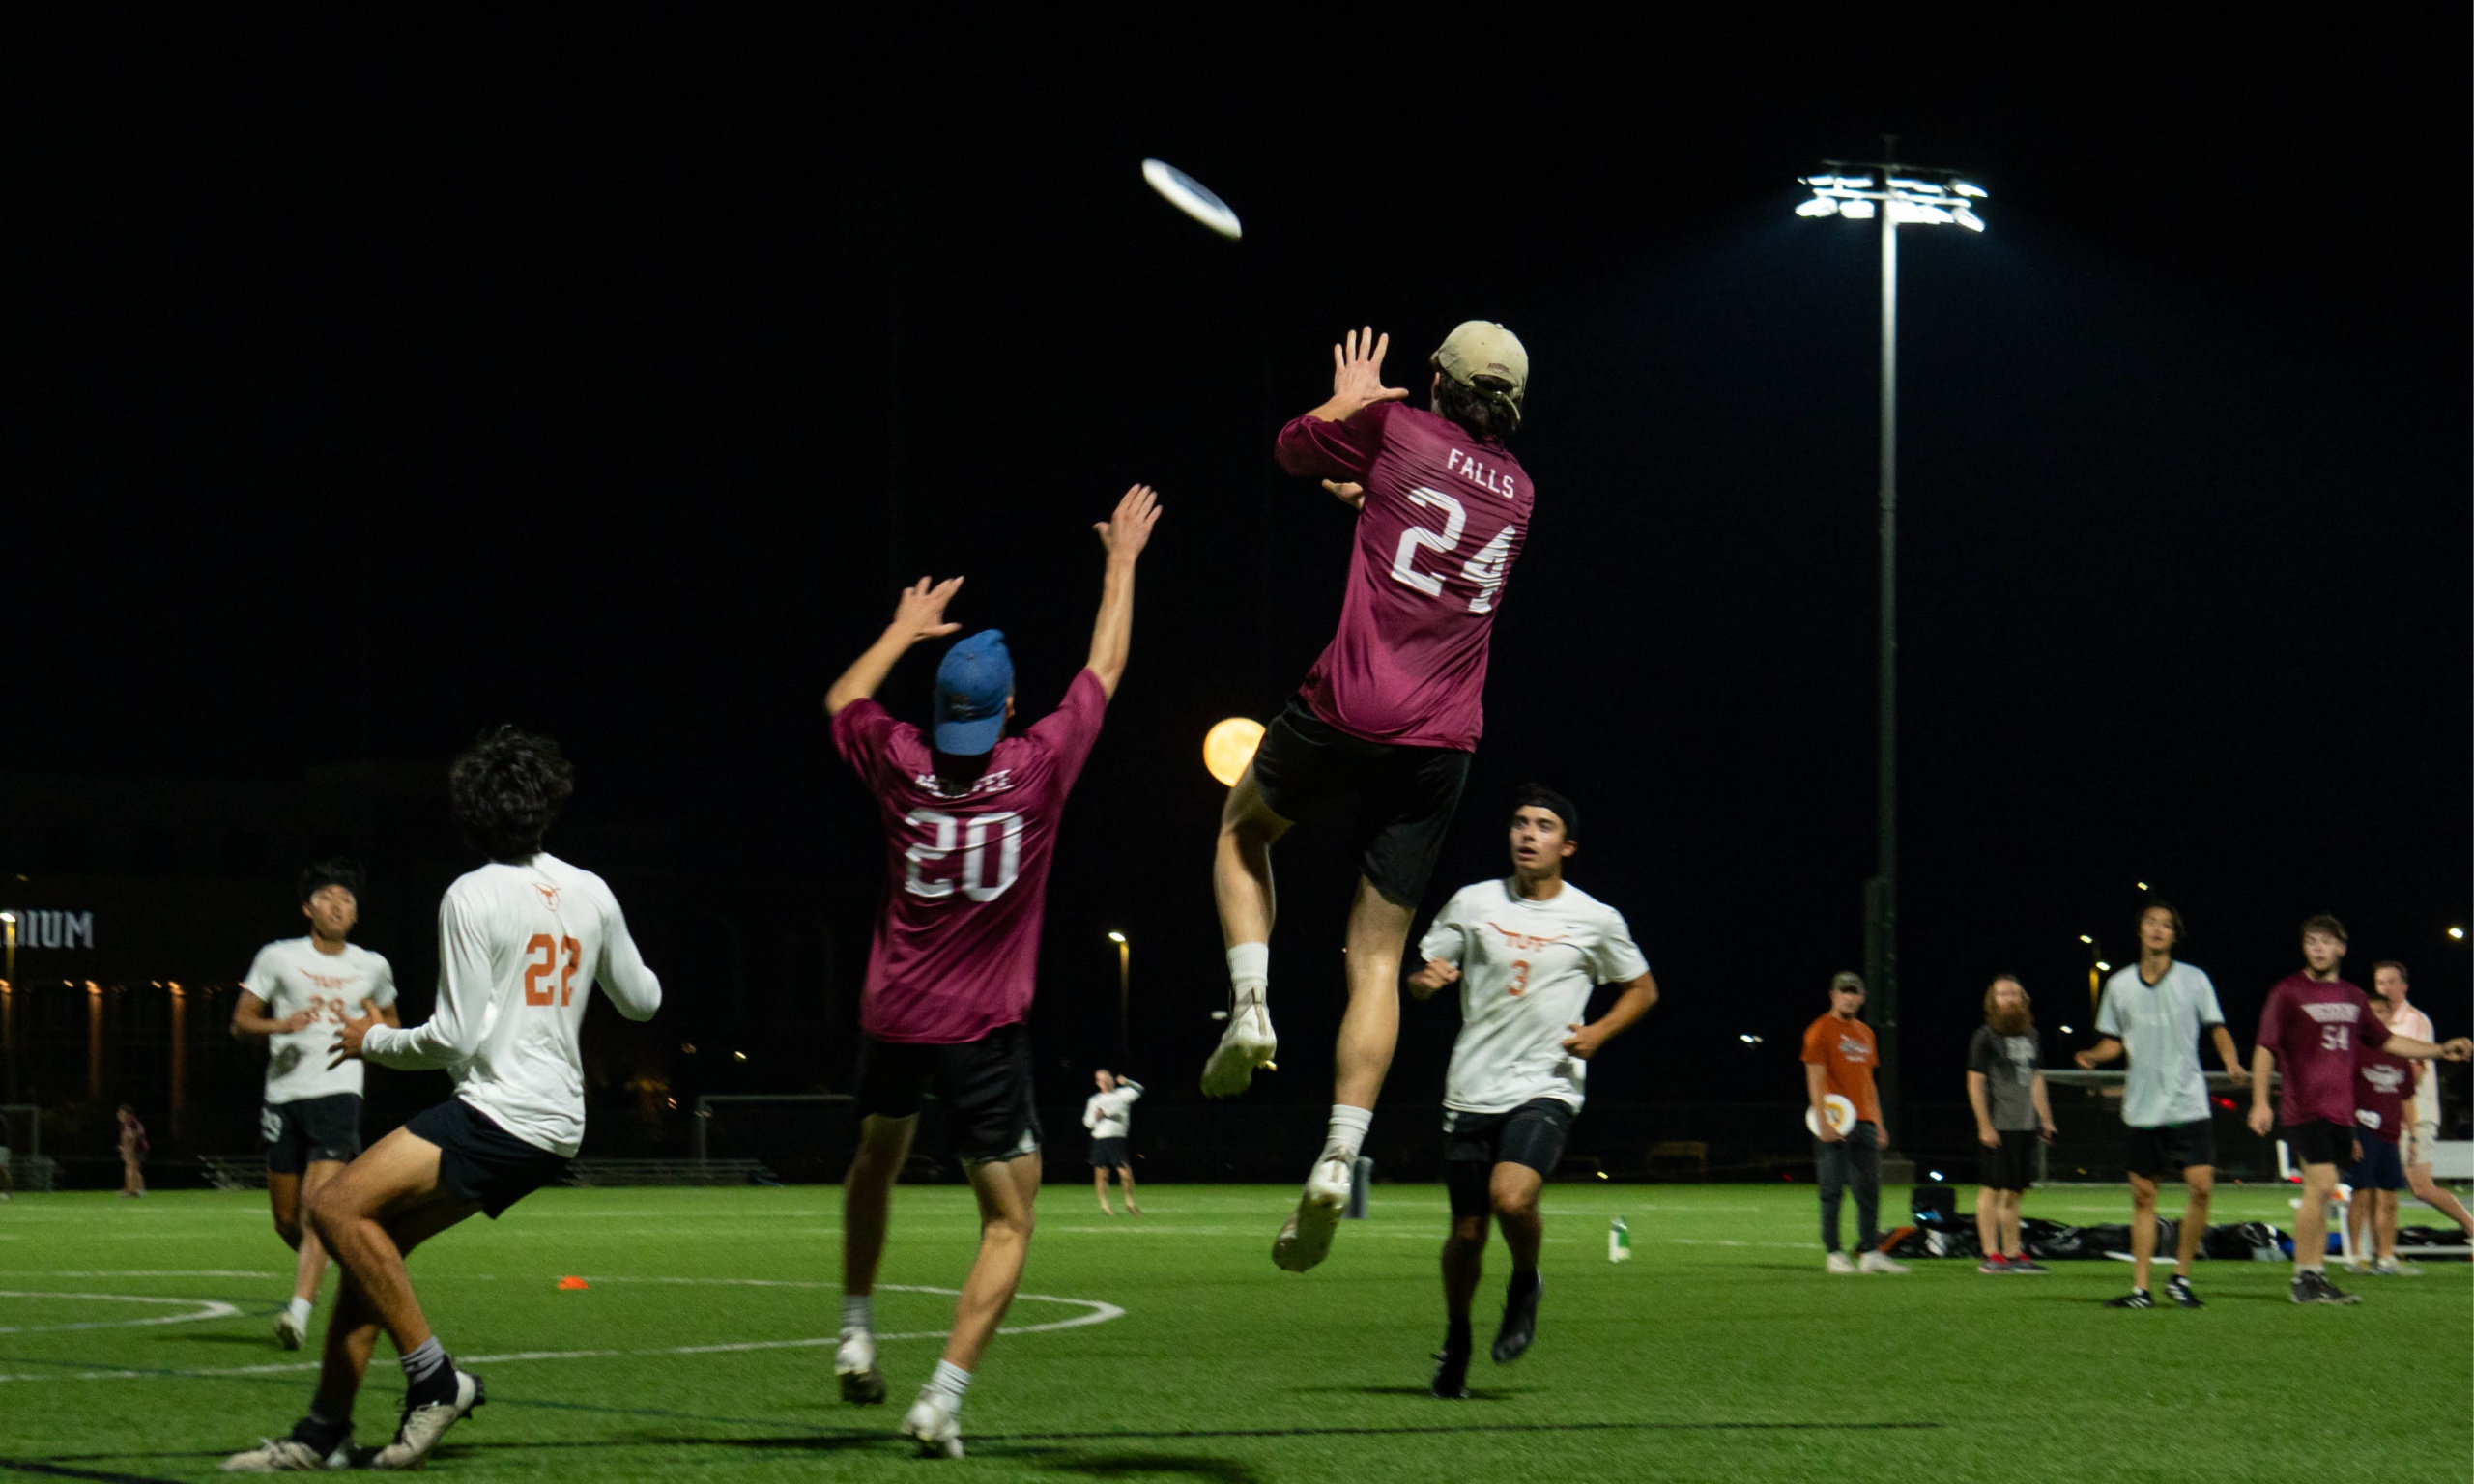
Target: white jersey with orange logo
[(519, 948), (1526, 971), (292, 975)]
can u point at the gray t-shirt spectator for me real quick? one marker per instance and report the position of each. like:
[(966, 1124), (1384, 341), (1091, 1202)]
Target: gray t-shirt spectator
[(2159, 1025), (2008, 1067)]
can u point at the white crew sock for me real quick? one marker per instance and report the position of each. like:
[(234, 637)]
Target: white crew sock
[(301, 1310), (1249, 968), (858, 1313), (1347, 1134), (950, 1379)]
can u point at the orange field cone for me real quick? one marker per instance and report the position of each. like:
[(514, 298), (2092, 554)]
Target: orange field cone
[(571, 1281)]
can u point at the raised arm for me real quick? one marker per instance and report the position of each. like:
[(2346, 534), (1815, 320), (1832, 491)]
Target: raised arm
[(2414, 1050), (1357, 377), (453, 1033), (918, 614), (1123, 535), (1629, 1006)]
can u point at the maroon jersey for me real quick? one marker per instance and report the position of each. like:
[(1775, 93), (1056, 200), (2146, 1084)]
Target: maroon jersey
[(958, 942), (2384, 1080), (1444, 520), (2315, 1026)]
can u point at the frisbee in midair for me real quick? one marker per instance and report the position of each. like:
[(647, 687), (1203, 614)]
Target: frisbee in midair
[(1842, 1114), (1192, 197)]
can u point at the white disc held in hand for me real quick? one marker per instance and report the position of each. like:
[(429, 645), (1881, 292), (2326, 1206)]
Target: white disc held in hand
[(1842, 1115)]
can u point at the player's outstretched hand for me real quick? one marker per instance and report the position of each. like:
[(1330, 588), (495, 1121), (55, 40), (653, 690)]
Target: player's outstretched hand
[(920, 612), (348, 1039), (1352, 496), (1127, 532), (2260, 1121), (1436, 975), (1584, 1041), (2461, 1049), (1357, 370)]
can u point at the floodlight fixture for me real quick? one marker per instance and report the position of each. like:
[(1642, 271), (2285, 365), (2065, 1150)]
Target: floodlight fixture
[(1916, 196)]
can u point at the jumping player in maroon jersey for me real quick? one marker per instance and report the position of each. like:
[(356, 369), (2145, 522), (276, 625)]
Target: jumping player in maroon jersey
[(2312, 1024), (1389, 714), (971, 819)]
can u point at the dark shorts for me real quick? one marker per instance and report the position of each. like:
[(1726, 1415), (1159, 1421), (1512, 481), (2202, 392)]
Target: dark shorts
[(1108, 1154), (479, 1160), (2379, 1168), (986, 1085), (2318, 1142), (2166, 1150), (306, 1130), (1406, 795), (2012, 1165), (1474, 1143)]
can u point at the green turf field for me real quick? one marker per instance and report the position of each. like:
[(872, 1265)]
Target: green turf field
[(134, 1344)]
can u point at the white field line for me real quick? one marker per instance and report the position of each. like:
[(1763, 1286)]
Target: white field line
[(207, 1308), (1096, 1312)]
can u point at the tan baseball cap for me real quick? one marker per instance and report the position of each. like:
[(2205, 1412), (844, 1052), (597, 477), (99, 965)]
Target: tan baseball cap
[(1847, 978), (1483, 348)]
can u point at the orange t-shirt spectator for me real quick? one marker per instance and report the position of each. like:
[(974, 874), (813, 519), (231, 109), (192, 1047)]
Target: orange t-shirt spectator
[(1844, 1052)]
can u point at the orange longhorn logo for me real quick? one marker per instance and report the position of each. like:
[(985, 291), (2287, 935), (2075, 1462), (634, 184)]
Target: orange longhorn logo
[(549, 895), (1524, 942)]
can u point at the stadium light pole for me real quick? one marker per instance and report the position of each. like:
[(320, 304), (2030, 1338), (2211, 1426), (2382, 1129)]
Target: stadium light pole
[(9, 1008), (1125, 978), (1895, 195)]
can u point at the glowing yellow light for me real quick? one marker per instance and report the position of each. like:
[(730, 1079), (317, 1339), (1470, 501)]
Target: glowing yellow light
[(2456, 932), (1229, 746), (2084, 938), (1116, 937), (2142, 886)]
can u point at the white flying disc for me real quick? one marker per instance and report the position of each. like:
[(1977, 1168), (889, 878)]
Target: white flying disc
[(1842, 1114), (1192, 197)]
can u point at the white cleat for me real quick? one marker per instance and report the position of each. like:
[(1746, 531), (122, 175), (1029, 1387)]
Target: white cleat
[(932, 1423), (854, 1367), (289, 1332), (1306, 1237), (423, 1426), (287, 1455), (1875, 1262), (1838, 1261), (1245, 1044)]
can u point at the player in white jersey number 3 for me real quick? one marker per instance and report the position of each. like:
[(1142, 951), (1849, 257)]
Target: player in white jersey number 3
[(521, 943), (298, 991), (1526, 951)]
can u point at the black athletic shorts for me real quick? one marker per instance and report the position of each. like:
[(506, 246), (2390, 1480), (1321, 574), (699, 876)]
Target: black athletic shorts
[(306, 1130), (1406, 795), (2166, 1150), (986, 1085), (1474, 1143), (2011, 1166), (479, 1160), (1108, 1154), (2318, 1142)]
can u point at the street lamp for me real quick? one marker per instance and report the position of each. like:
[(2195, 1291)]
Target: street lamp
[(1124, 976), (1895, 195)]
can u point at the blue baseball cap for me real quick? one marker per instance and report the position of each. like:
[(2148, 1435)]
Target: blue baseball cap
[(973, 682)]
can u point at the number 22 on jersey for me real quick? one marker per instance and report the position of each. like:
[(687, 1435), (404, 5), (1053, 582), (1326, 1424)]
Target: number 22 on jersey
[(548, 951)]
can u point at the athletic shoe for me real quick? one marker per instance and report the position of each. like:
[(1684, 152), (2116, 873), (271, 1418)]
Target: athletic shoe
[(420, 1427), (2135, 1299), (288, 1455), (854, 1366), (1876, 1261), (2178, 1289), (1306, 1238), (1450, 1381), (2390, 1268), (932, 1423), (2314, 1287), (1994, 1264), (1838, 1261), (1245, 1044), (289, 1332), (1520, 1322), (2028, 1265)]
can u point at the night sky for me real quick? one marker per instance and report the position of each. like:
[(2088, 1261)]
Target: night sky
[(366, 389)]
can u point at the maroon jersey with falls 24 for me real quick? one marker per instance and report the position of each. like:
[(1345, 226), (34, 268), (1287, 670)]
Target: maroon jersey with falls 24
[(1444, 520)]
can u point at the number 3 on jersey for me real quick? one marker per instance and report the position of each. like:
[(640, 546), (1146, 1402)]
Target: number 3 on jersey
[(1486, 569), (535, 992), (970, 836)]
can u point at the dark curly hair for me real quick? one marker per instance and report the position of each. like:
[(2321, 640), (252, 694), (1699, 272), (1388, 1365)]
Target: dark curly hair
[(334, 870), (1487, 410), (505, 792)]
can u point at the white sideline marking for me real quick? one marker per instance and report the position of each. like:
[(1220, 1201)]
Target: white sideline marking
[(1100, 1312), (136, 1273), (207, 1308)]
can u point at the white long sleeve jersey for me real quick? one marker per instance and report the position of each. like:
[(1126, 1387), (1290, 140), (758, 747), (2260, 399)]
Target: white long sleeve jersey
[(1110, 1115), (519, 948)]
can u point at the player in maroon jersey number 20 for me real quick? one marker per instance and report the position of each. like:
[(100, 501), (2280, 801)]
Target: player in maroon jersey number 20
[(1390, 713), (970, 818)]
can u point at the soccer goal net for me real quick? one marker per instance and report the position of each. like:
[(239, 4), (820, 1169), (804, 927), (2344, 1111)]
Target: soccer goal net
[(23, 1166)]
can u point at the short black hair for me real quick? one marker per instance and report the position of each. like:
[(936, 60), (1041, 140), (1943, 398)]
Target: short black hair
[(2171, 913), (2322, 921), (2391, 964), (505, 792), (334, 870), (1533, 795)]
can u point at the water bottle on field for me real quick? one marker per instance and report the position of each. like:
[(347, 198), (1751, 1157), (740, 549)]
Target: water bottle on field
[(1619, 1243)]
